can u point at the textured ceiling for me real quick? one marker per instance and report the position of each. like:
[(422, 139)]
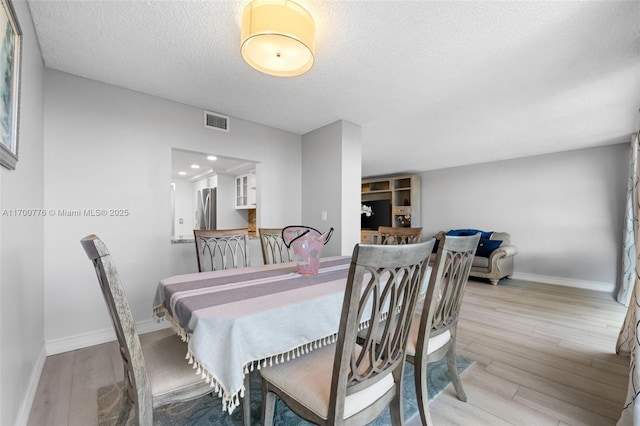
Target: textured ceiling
[(433, 84)]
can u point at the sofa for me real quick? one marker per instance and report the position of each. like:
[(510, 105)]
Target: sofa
[(494, 255)]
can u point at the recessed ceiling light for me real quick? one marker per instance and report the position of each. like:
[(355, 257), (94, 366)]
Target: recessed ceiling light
[(182, 173), (212, 158), (195, 166)]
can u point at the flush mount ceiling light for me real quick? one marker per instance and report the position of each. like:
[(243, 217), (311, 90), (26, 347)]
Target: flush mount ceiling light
[(278, 37)]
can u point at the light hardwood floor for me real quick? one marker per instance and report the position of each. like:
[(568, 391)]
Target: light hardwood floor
[(545, 355)]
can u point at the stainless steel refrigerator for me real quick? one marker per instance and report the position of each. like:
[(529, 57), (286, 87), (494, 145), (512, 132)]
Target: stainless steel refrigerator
[(206, 209)]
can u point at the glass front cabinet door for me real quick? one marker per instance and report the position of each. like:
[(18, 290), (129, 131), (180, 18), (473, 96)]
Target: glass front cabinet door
[(246, 191)]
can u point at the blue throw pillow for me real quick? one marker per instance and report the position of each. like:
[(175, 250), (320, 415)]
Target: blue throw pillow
[(466, 232), (486, 246)]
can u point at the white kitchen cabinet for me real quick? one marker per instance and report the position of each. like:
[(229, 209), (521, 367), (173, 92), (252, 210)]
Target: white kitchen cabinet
[(246, 191)]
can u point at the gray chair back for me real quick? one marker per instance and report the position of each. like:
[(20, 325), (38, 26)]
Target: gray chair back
[(389, 235), (135, 373), (383, 284), (274, 249), (440, 313), (447, 283), (221, 249)]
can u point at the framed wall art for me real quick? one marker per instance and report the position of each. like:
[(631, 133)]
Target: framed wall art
[(10, 68)]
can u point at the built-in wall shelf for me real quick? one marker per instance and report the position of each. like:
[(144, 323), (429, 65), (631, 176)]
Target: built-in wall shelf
[(398, 194)]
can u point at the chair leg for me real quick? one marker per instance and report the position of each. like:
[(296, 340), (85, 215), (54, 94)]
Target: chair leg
[(268, 405), (422, 394), (395, 406), (245, 403), (453, 371)]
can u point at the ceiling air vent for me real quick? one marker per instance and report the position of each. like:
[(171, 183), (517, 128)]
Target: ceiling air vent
[(216, 121)]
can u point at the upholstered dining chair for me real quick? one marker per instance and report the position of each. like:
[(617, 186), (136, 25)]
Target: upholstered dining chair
[(434, 327), (274, 249), (155, 373), (389, 235), (347, 382), (221, 249)]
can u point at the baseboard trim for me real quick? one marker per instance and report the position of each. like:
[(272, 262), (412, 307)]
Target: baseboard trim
[(84, 340), (568, 282), (27, 402)]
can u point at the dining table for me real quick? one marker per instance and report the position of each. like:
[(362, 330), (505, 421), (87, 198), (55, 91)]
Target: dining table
[(239, 320)]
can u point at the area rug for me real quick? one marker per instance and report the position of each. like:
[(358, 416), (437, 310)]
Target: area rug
[(207, 410)]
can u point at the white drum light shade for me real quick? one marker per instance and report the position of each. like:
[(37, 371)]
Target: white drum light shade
[(278, 37)]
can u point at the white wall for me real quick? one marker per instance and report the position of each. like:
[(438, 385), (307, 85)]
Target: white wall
[(564, 211), (351, 165), (184, 201), (21, 245), (110, 148), (328, 185)]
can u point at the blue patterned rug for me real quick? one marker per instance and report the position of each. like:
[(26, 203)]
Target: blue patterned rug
[(207, 410)]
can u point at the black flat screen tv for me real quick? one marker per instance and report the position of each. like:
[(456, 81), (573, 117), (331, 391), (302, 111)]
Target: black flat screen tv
[(381, 214)]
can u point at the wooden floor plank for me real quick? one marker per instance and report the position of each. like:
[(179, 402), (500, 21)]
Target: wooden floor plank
[(454, 410), (478, 376), (565, 412), (93, 369), (542, 348), (576, 375), (605, 353), (508, 409), (568, 394), (53, 396), (612, 367)]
